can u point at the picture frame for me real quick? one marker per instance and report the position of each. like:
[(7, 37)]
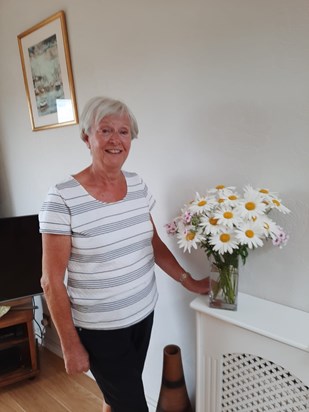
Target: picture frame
[(47, 72)]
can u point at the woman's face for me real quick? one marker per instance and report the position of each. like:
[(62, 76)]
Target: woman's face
[(110, 141)]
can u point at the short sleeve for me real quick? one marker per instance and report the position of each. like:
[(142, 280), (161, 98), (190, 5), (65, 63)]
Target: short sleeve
[(54, 216), (149, 197)]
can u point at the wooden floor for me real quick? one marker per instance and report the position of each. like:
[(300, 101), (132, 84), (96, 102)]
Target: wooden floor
[(52, 390)]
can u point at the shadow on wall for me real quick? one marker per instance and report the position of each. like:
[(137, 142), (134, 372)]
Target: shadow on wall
[(5, 198)]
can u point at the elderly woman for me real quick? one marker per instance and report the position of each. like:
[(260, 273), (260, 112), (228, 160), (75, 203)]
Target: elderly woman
[(97, 228)]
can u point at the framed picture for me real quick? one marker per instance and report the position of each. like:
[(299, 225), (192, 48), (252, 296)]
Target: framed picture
[(46, 65)]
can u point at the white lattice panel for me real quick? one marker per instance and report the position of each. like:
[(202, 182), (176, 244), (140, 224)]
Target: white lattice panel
[(253, 360), (253, 384)]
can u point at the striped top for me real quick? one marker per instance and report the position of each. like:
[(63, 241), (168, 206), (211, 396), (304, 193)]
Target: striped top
[(111, 280)]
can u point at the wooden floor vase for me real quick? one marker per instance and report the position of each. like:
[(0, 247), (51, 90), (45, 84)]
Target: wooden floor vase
[(173, 393)]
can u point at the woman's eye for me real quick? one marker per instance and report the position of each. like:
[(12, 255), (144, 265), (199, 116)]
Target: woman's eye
[(105, 130), (108, 131)]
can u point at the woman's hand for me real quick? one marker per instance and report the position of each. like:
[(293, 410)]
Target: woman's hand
[(197, 286), (76, 359)]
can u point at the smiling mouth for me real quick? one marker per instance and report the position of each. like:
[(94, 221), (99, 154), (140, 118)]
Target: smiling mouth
[(113, 151)]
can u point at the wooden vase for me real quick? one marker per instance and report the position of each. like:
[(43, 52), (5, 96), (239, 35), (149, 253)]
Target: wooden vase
[(173, 393)]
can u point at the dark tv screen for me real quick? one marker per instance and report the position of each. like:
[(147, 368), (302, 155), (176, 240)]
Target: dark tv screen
[(21, 257)]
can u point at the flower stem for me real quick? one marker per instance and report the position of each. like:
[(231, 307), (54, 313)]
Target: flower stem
[(227, 283)]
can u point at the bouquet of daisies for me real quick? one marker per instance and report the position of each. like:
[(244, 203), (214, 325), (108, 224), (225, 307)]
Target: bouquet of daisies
[(224, 222), (227, 224)]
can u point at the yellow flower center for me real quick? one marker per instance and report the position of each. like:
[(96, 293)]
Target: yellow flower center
[(190, 236), (202, 203), (213, 221), (220, 200), (276, 202), (218, 187), (228, 215), (232, 197), (249, 233), (265, 191), (225, 237), (250, 205)]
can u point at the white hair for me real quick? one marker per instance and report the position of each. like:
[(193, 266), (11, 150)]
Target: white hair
[(99, 107)]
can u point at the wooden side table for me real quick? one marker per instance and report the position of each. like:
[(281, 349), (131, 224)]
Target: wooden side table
[(18, 352)]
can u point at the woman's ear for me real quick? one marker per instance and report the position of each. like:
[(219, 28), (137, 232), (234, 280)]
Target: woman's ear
[(86, 139)]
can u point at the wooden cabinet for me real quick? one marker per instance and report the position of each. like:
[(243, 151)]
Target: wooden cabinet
[(18, 352)]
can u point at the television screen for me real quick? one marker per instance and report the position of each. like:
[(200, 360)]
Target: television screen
[(21, 257)]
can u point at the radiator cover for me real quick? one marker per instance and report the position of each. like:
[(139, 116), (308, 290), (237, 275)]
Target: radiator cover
[(253, 360)]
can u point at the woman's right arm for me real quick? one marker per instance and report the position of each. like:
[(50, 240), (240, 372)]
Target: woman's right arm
[(56, 253)]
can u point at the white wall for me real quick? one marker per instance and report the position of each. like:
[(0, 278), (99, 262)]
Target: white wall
[(220, 89)]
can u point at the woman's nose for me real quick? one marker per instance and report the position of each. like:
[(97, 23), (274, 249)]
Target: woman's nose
[(115, 136)]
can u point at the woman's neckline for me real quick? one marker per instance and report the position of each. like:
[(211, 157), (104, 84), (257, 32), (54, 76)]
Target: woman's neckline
[(100, 200)]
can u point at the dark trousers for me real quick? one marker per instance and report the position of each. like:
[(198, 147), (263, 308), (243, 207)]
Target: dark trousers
[(117, 360)]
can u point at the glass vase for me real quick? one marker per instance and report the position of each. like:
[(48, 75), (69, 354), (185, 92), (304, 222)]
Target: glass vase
[(224, 286)]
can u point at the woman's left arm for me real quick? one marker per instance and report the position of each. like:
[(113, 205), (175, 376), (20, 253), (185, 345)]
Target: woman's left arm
[(168, 263)]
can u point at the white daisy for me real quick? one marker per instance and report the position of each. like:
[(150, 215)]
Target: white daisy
[(228, 217), (201, 204), (224, 242), (232, 200), (268, 197), (269, 227), (276, 204), (252, 204), (266, 193), (189, 238), (222, 191), (219, 201), (250, 234), (210, 224)]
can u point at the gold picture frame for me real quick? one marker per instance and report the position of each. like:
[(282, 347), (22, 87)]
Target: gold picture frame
[(47, 71)]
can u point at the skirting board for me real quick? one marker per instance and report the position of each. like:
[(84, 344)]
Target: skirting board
[(53, 347)]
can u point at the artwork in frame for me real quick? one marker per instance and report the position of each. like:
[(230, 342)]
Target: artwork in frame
[(47, 71)]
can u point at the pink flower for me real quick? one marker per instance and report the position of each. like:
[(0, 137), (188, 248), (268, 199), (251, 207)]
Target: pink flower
[(171, 228), (281, 238), (187, 216)]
